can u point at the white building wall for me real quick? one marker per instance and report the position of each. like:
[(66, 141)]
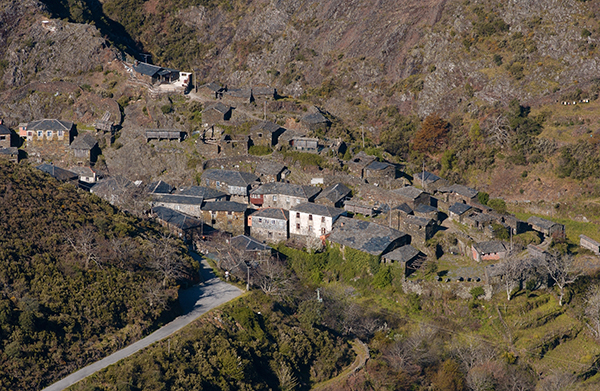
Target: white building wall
[(303, 225)]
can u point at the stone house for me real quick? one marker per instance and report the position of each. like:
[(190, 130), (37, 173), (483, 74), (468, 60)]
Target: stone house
[(85, 148), (216, 113), (154, 74), (11, 154), (164, 134), (357, 164), (412, 196), (265, 133), (420, 229), (334, 195), (590, 244), (264, 93), (235, 183), (379, 172), (238, 95), (282, 195), (186, 227), (313, 220), (546, 227), (371, 238), (191, 206), (428, 212), (429, 182), (357, 207), (269, 171), (459, 211), (226, 216), (270, 224), (5, 136), (517, 226), (489, 251), (212, 89), (206, 193), (53, 130), (406, 256), (250, 248), (234, 145), (315, 121), (305, 144)]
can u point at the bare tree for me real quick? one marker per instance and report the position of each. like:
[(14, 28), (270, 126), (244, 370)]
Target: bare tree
[(562, 270), (165, 258), (511, 269), (499, 130), (559, 381), (84, 243), (471, 351), (273, 278), (592, 311)]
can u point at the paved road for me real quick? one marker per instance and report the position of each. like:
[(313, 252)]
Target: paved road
[(195, 301)]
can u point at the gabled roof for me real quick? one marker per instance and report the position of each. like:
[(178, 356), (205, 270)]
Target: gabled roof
[(402, 254), (316, 209), (461, 190), (426, 177), (57, 172), (248, 243), (404, 208), (50, 124), (416, 220), (315, 118), (201, 191), (265, 126), (84, 141), (490, 247), (425, 208), (363, 235), (269, 168), (82, 171), (334, 193), (213, 86), (225, 206), (230, 177), (459, 208), (220, 107), (377, 166), (540, 222), (287, 189), (112, 185), (408, 192), (178, 199), (587, 238), (177, 219), (272, 213), (245, 93), (4, 129), (159, 187), (152, 70)]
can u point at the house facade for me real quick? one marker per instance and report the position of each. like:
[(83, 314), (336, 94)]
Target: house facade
[(590, 244), (489, 251), (48, 130), (269, 224), (546, 227), (334, 195), (265, 133), (235, 183), (5, 136), (85, 148), (313, 220), (412, 196), (226, 216), (282, 195)]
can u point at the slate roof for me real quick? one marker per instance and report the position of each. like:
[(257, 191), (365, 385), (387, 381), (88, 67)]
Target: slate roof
[(201, 191), (542, 223), (416, 220), (213, 86), (316, 209), (408, 192), (82, 171), (402, 254), (84, 141), (334, 193), (490, 247), (363, 235), (177, 219), (461, 190), (261, 91), (269, 168), (111, 185), (287, 189), (4, 129), (50, 124), (377, 165), (427, 177), (587, 238), (159, 187), (225, 206), (230, 177), (152, 70), (245, 93), (266, 126), (425, 208), (459, 208), (57, 172), (220, 107), (178, 199), (272, 213), (315, 118), (9, 151), (248, 243), (404, 208)]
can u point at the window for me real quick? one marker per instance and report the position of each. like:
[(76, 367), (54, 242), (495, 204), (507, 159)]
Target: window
[(287, 199), (309, 217), (218, 183), (260, 220), (60, 133), (298, 201), (322, 231), (40, 133), (298, 226), (207, 182), (49, 133), (2, 138), (322, 219), (260, 135), (297, 215), (30, 134), (274, 198)]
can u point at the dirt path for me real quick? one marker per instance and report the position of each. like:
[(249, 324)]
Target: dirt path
[(362, 355), (195, 302)]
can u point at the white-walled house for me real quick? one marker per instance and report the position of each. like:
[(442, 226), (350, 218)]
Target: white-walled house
[(314, 220)]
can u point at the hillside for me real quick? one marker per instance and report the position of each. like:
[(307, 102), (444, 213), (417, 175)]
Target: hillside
[(77, 278)]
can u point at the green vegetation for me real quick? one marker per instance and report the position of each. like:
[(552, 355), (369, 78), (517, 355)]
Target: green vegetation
[(260, 150), (79, 280), (306, 159)]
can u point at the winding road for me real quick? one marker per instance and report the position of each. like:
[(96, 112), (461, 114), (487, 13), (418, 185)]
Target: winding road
[(194, 301)]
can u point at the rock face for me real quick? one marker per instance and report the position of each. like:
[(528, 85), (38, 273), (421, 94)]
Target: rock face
[(39, 48)]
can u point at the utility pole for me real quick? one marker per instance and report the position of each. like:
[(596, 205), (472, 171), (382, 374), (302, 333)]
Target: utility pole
[(362, 128), (265, 115), (423, 176), (248, 283), (319, 298)]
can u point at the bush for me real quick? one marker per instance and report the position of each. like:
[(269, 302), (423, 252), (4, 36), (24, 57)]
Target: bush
[(166, 109), (476, 292), (483, 197), (498, 204)]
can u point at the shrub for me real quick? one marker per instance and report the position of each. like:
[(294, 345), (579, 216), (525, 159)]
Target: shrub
[(166, 109), (483, 197), (476, 292), (498, 204)]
